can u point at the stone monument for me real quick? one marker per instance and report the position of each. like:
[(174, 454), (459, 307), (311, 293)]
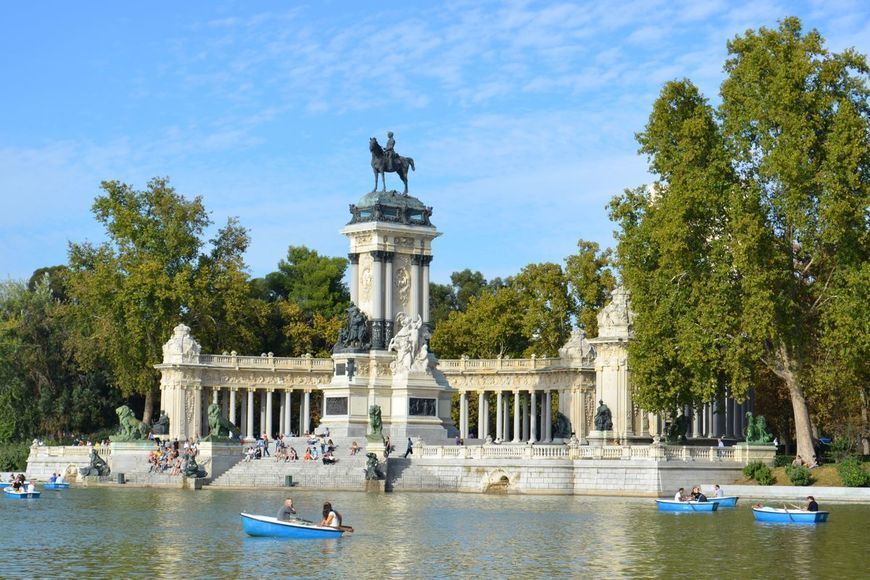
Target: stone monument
[(382, 357), (603, 426)]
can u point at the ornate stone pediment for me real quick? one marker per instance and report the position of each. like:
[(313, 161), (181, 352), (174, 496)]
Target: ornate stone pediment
[(181, 348), (615, 320), (577, 351)]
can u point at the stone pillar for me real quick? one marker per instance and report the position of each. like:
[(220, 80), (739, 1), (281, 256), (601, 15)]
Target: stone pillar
[(281, 424), (354, 277), (548, 417), (533, 418), (499, 414), (506, 427), (306, 417), (696, 422), (517, 415), (250, 414), (225, 406), (424, 307), (415, 285), (389, 316), (269, 431), (232, 412), (463, 407), (485, 411), (288, 412), (481, 411), (198, 430), (525, 419), (738, 415), (378, 300)]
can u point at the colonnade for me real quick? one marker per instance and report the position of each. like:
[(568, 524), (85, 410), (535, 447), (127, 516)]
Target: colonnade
[(520, 416), (254, 417), (383, 305)]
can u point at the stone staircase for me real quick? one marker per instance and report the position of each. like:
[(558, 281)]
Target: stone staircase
[(348, 473)]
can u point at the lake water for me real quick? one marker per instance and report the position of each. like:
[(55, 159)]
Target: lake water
[(114, 532)]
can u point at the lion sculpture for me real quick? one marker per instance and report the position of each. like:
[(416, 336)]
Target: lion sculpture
[(218, 425), (132, 429)]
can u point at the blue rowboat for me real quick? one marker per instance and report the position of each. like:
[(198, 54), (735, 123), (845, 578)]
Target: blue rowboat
[(265, 526), (786, 516), (671, 505), (4, 485), (12, 494), (55, 485), (726, 500)]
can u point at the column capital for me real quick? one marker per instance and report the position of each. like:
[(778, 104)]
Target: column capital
[(425, 260), (353, 257), (378, 255), (417, 259), (388, 256)]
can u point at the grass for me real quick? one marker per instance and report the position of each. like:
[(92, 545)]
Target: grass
[(824, 476)]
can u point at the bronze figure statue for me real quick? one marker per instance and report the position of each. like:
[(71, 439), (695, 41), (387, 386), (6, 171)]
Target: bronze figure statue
[(388, 161), (603, 418), (161, 425)]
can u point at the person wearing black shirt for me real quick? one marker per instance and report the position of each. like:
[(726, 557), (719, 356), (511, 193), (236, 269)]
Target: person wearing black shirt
[(812, 506)]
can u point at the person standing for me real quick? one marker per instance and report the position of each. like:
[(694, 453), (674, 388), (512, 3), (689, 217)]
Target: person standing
[(410, 449)]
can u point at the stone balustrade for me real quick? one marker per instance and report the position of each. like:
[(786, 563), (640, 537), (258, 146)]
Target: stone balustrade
[(233, 361), (449, 366), (686, 453), (73, 451)]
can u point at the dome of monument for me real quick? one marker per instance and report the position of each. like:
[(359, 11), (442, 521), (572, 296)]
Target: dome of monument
[(390, 206)]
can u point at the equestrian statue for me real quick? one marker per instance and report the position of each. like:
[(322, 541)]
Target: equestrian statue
[(386, 160)]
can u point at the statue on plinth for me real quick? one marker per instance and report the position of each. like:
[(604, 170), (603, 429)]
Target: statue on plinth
[(388, 161), (355, 334), (219, 427), (603, 418), (375, 432), (161, 425), (373, 471), (131, 428), (409, 344), (562, 426), (756, 430), (676, 432), (191, 468), (96, 465)]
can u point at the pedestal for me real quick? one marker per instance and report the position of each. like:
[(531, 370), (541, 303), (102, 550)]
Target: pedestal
[(130, 456), (600, 438), (219, 456)]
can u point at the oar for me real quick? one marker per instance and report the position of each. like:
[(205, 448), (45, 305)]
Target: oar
[(788, 513), (346, 529)]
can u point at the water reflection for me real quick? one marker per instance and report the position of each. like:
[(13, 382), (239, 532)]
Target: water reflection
[(117, 532)]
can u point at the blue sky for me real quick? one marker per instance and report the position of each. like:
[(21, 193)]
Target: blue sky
[(520, 115)]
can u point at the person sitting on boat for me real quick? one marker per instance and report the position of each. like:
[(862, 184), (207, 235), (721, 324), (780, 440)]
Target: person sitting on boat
[(331, 518), (717, 491), (287, 511), (16, 485), (53, 478), (812, 506), (679, 495), (697, 495), (59, 478)]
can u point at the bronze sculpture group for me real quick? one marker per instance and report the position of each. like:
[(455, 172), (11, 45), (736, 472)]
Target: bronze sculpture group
[(388, 161)]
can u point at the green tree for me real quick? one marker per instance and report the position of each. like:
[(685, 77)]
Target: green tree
[(590, 281), (546, 308), (754, 242), (129, 292), (314, 282), (491, 327)]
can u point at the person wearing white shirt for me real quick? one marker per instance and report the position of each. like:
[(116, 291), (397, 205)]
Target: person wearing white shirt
[(717, 491), (679, 495)]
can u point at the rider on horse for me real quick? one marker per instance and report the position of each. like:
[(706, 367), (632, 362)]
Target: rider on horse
[(389, 151)]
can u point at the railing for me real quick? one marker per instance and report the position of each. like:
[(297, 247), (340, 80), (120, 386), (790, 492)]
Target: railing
[(571, 452), (449, 366), (74, 450), (306, 363)]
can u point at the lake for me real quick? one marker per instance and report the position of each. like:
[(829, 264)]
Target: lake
[(113, 532)]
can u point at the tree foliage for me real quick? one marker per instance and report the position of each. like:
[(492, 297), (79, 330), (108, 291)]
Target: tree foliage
[(751, 250)]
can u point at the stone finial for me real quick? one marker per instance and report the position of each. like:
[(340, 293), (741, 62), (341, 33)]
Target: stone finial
[(577, 350), (615, 320), (181, 347)]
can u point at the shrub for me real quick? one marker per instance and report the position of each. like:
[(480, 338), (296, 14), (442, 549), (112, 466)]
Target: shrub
[(852, 473), (799, 475), (781, 460), (840, 449), (750, 470), (13, 456), (764, 476)]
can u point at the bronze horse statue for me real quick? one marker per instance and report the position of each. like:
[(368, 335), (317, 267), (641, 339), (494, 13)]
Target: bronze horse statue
[(381, 165)]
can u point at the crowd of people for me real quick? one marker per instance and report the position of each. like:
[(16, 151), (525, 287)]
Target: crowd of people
[(170, 455), (319, 448)]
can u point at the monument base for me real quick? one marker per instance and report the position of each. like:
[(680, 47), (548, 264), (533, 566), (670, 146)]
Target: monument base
[(130, 456), (217, 457), (600, 438)]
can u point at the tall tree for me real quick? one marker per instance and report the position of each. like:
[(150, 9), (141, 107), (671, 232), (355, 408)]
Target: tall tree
[(590, 281), (314, 282), (129, 292), (757, 234)]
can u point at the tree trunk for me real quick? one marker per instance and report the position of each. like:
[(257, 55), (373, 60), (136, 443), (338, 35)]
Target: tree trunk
[(149, 406), (787, 369)]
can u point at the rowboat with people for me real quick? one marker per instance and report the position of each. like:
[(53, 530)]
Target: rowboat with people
[(55, 485), (24, 493), (788, 516), (266, 526), (672, 505), (726, 500)]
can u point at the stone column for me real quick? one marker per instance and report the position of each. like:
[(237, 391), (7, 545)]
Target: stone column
[(548, 417), (424, 307), (463, 403), (250, 409), (533, 418), (485, 411), (415, 300), (354, 277), (517, 414), (306, 417), (269, 431), (525, 419), (378, 300), (480, 415), (198, 430), (232, 412), (696, 422), (281, 425), (389, 316), (215, 395), (225, 405), (506, 427), (288, 412), (499, 414)]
